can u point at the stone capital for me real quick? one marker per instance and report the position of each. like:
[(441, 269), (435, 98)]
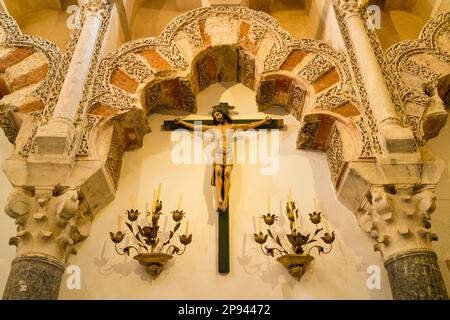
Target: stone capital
[(398, 217), (97, 7), (48, 219), (351, 8)]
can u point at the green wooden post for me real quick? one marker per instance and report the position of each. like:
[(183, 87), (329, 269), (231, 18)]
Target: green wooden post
[(224, 242)]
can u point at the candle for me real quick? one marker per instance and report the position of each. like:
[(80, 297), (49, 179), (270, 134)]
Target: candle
[(268, 204), (260, 220), (187, 228), (119, 223), (159, 192), (154, 201), (315, 204), (326, 224), (179, 202), (133, 197)]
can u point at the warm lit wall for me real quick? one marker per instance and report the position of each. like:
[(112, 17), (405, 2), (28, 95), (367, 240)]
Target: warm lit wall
[(44, 18), (341, 275), (404, 19)]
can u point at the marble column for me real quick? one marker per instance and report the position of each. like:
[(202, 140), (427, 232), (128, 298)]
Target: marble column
[(392, 135), (415, 275), (34, 278), (49, 224), (398, 219), (57, 135)]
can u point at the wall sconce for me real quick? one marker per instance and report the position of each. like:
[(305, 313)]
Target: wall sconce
[(156, 255), (298, 260)]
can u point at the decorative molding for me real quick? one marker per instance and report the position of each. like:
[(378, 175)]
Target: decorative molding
[(369, 120), (398, 217), (335, 156), (398, 59), (53, 222)]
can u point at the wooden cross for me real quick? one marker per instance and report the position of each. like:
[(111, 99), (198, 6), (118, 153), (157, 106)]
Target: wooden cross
[(224, 235)]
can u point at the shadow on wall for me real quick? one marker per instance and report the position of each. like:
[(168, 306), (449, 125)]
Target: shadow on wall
[(346, 226)]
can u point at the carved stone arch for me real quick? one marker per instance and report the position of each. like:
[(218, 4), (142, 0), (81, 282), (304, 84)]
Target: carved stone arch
[(23, 91), (197, 49), (421, 68)]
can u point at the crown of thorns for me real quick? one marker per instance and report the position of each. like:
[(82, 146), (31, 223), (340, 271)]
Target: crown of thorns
[(223, 107)]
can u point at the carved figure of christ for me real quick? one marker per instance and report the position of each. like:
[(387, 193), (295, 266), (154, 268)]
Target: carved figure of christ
[(223, 129)]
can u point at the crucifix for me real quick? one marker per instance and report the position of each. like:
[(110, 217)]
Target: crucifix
[(222, 127)]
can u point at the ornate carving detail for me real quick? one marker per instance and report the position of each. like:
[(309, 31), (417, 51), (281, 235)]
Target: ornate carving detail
[(367, 111), (331, 99), (202, 69), (336, 161), (265, 93), (15, 38), (52, 221), (275, 58), (256, 33), (307, 135), (133, 66), (173, 54), (97, 7), (246, 69), (296, 101), (317, 67), (189, 101), (398, 60), (193, 32), (366, 150), (9, 125), (398, 217), (114, 160), (153, 96), (83, 149), (351, 7), (419, 70)]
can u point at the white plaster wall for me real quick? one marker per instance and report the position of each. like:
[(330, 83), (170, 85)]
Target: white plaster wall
[(7, 226), (441, 218), (340, 275)]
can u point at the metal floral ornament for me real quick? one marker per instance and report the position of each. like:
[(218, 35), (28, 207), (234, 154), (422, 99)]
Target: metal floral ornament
[(151, 251), (302, 243)]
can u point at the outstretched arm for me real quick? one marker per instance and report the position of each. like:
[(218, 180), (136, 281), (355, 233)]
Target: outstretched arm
[(191, 125), (253, 125)]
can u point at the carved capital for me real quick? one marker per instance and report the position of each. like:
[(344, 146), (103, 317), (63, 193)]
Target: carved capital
[(97, 6), (48, 221), (398, 218), (351, 8)]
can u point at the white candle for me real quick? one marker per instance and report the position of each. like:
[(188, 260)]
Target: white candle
[(187, 228), (260, 221), (179, 202), (133, 197), (154, 201), (159, 192), (268, 204), (119, 223), (326, 224), (315, 204)]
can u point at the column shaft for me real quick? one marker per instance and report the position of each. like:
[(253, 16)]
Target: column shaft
[(415, 275)]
